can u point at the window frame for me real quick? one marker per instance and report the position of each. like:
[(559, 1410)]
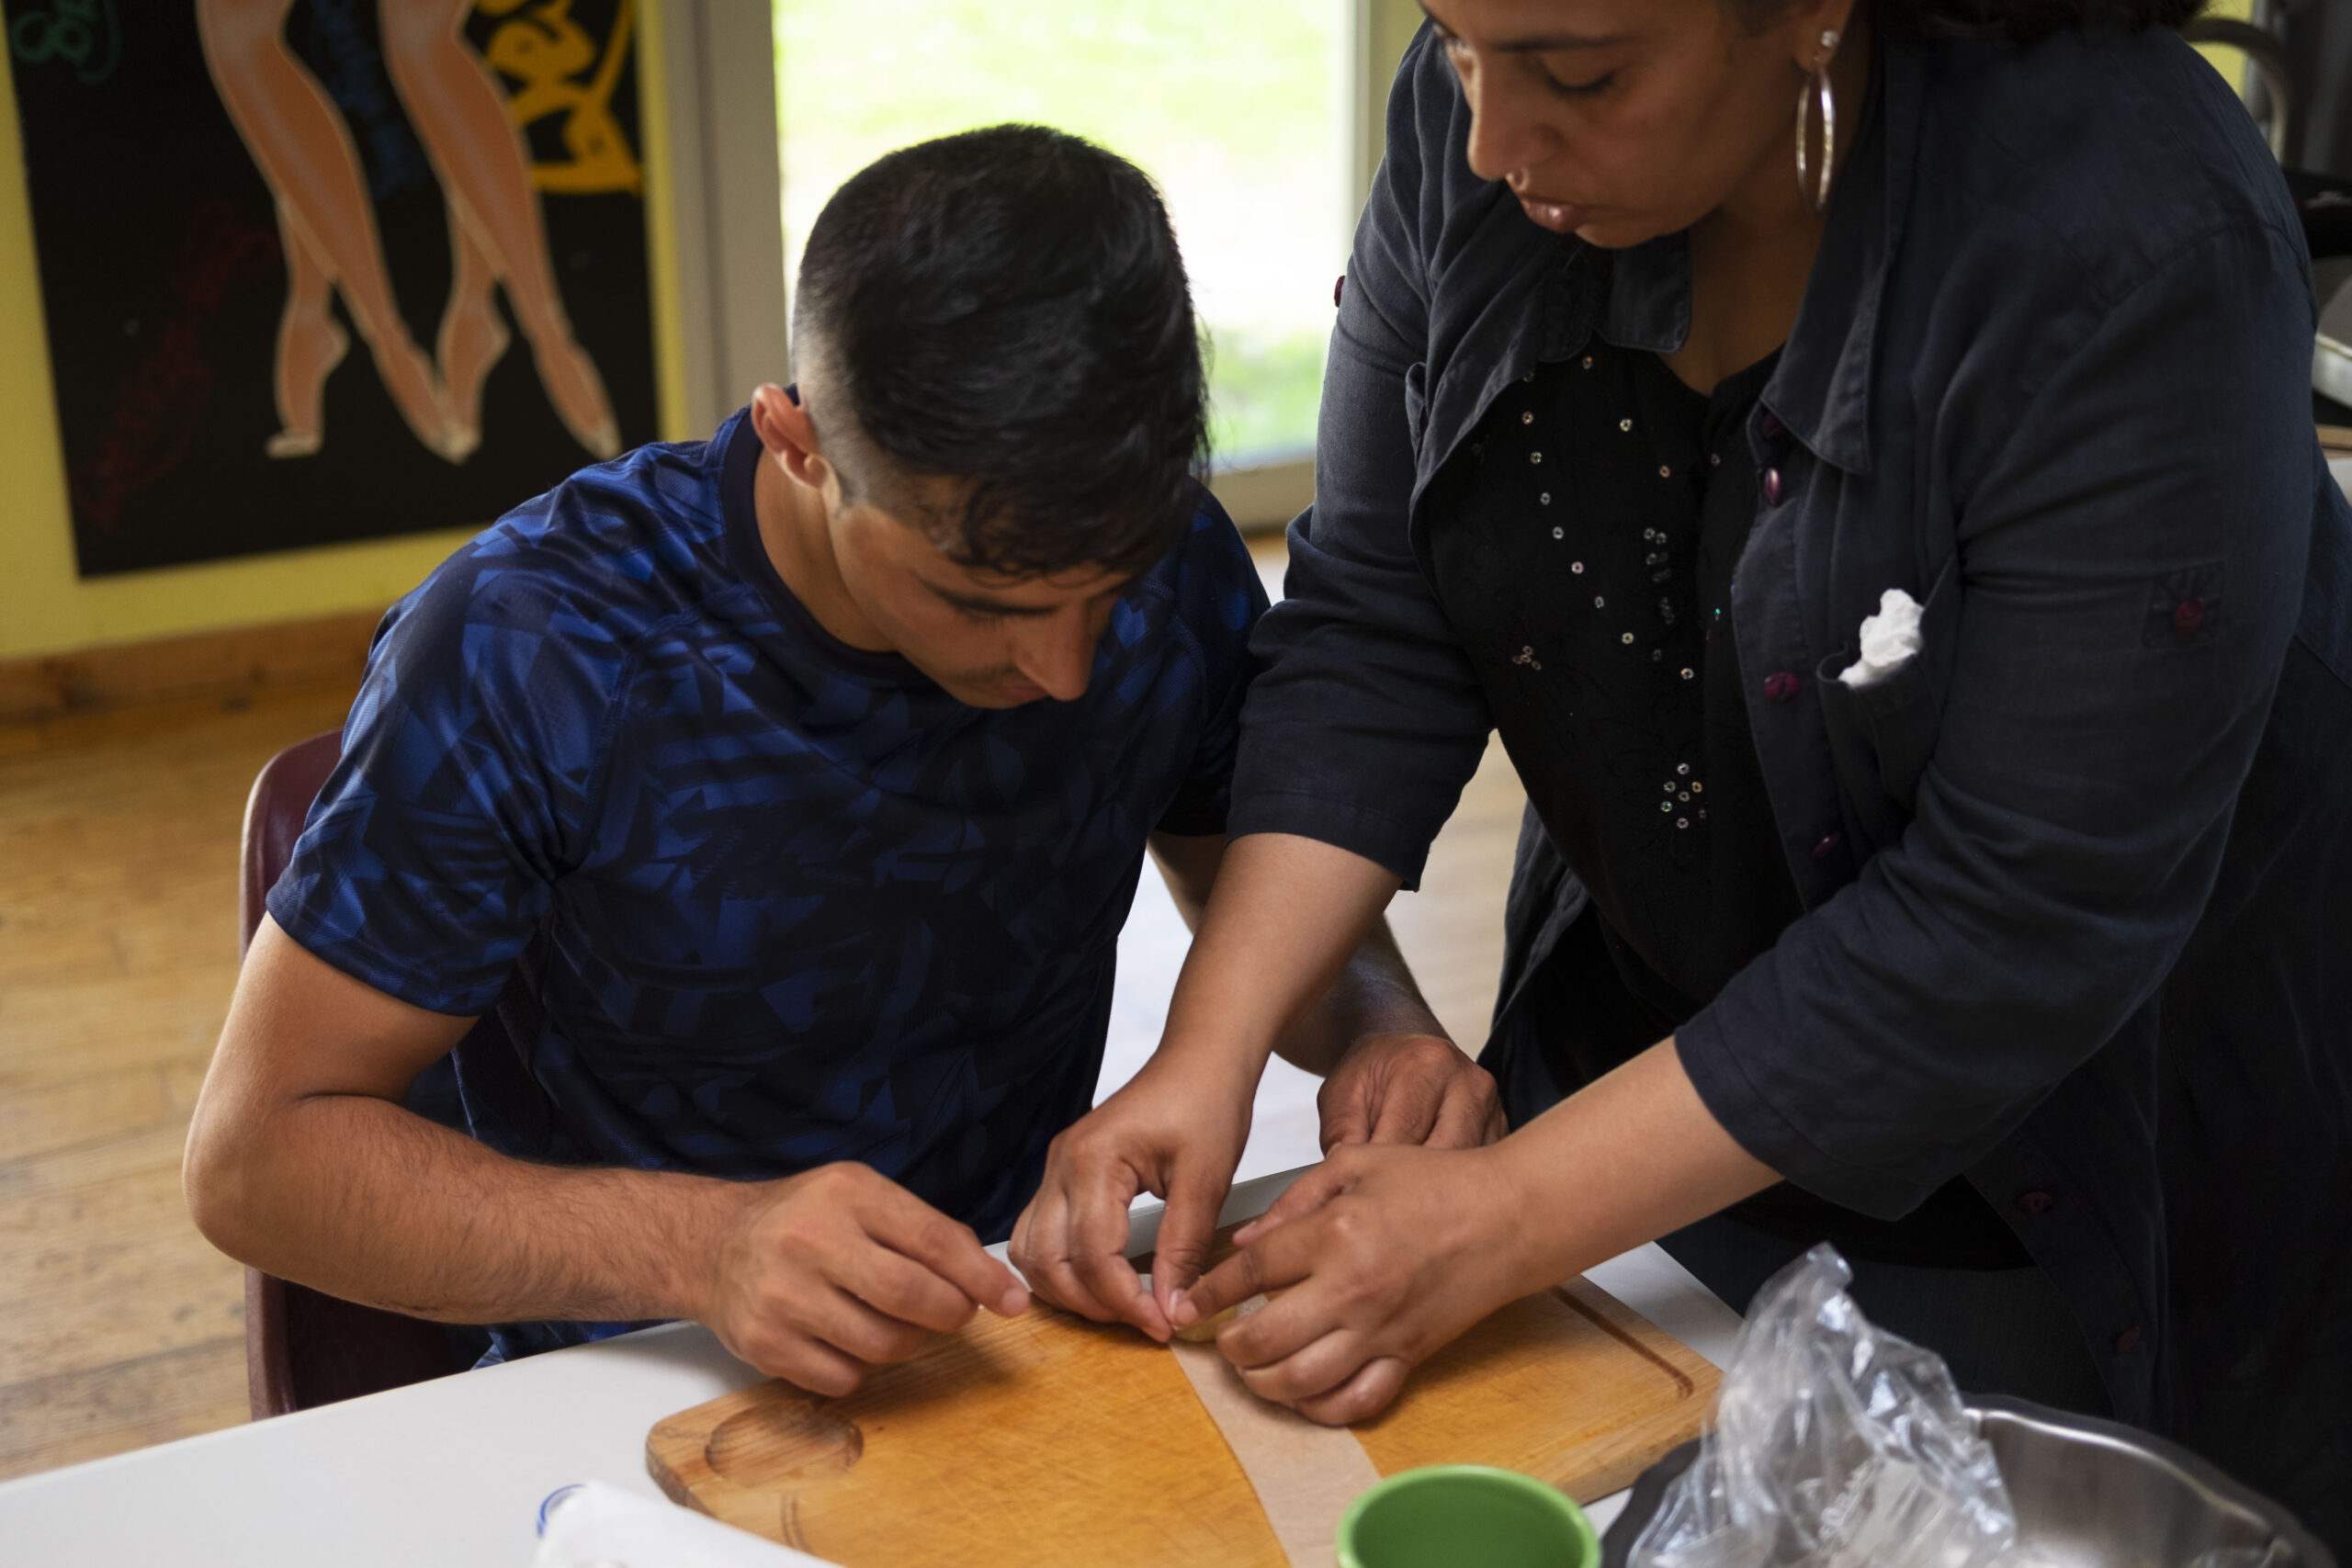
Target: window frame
[(717, 106)]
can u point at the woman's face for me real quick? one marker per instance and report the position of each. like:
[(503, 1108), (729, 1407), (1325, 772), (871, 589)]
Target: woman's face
[(1620, 121)]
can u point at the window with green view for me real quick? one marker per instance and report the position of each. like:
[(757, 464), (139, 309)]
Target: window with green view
[(1237, 107)]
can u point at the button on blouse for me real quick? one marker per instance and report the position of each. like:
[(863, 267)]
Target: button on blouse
[(1583, 553), (1587, 564)]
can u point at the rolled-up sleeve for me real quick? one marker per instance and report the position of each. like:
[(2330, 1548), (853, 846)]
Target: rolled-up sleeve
[(2131, 559), (1368, 718)]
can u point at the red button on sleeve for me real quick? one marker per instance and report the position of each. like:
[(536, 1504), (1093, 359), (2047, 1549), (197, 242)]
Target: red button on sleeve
[(1780, 685), (1773, 488), (2188, 615)]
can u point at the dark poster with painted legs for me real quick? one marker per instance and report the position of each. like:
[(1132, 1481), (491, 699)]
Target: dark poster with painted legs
[(324, 270)]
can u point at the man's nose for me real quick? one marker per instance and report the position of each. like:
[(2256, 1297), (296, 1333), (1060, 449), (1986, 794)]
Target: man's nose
[(1505, 132), (1060, 656)]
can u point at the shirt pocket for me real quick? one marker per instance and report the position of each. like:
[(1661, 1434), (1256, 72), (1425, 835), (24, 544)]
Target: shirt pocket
[(1883, 736)]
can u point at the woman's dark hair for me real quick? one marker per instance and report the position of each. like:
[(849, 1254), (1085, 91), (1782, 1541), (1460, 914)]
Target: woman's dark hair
[(2022, 21), (1007, 307)]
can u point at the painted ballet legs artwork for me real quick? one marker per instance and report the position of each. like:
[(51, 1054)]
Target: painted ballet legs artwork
[(304, 149), (320, 272)]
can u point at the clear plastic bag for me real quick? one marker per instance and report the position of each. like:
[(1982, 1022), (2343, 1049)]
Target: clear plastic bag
[(1834, 1445)]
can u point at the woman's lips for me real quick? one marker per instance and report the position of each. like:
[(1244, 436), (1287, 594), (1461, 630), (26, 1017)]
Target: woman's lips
[(1561, 217)]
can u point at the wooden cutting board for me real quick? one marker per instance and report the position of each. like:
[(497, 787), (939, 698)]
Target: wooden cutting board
[(1047, 1439)]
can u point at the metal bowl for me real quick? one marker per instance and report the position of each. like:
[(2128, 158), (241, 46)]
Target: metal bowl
[(2090, 1493)]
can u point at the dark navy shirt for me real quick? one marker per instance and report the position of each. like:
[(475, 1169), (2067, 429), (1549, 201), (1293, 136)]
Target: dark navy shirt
[(785, 902)]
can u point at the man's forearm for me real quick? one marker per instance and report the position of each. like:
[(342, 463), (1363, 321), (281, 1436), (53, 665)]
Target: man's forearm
[(1375, 994), (363, 1199)]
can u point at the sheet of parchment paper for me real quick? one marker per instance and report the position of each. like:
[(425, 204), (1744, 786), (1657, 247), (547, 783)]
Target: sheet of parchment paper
[(1305, 1474)]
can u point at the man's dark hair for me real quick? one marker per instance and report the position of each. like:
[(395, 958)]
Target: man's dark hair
[(1007, 307)]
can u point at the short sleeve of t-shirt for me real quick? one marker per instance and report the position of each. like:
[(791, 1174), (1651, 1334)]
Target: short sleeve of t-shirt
[(1220, 597), (428, 860)]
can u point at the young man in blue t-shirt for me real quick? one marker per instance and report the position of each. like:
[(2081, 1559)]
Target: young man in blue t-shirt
[(784, 796)]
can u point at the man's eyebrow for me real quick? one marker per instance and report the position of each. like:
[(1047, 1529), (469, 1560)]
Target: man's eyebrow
[(982, 605), (1542, 43)]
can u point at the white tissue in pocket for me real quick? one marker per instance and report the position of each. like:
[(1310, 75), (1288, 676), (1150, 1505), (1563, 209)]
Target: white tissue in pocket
[(601, 1525), (1888, 638)]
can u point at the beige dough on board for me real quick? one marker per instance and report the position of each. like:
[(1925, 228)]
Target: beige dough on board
[(1206, 1330)]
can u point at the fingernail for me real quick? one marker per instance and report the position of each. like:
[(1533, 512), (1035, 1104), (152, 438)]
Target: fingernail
[(1181, 1312), (1013, 1302)]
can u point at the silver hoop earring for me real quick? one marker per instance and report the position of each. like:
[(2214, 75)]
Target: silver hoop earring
[(1814, 94)]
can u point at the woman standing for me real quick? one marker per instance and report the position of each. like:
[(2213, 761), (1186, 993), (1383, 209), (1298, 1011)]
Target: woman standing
[(2014, 965)]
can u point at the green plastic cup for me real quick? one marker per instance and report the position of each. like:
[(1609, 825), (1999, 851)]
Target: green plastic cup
[(1465, 1515)]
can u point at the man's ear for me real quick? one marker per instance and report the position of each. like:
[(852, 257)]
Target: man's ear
[(784, 427)]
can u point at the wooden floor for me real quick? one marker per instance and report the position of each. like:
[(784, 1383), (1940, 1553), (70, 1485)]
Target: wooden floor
[(119, 1326)]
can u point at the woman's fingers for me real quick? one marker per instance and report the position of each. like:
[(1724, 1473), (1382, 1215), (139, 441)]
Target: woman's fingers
[(1098, 1247), (1373, 1389), (1275, 1260), (1314, 1188), (1331, 1357), (1295, 1320), (1187, 1232), (1042, 1251)]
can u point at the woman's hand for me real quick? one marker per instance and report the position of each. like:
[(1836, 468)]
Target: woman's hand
[(1176, 1130), (1382, 1254), (1385, 1253), (1405, 1088)]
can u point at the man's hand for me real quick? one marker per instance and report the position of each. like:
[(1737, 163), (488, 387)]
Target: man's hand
[(1174, 1132), (826, 1275), (1408, 1088)]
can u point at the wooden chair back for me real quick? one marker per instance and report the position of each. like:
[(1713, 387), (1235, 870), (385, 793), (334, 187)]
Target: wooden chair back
[(304, 1347)]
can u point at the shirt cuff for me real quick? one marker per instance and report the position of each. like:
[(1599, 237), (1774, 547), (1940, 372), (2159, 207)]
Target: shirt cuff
[(1398, 846)]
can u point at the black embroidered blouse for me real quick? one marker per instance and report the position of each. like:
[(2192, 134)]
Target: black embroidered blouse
[(1587, 562)]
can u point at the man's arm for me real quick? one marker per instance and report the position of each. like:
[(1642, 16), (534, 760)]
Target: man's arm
[(302, 1161)]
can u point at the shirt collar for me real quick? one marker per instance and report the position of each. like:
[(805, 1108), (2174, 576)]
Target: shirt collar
[(1822, 390), (1648, 306)]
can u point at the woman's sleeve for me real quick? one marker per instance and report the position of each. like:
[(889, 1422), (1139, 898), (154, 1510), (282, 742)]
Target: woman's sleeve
[(2132, 564), (1368, 718)]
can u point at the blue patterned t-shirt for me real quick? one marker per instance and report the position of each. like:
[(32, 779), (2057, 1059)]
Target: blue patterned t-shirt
[(777, 901)]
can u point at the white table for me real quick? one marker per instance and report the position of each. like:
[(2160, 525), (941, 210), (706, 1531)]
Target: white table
[(450, 1473)]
